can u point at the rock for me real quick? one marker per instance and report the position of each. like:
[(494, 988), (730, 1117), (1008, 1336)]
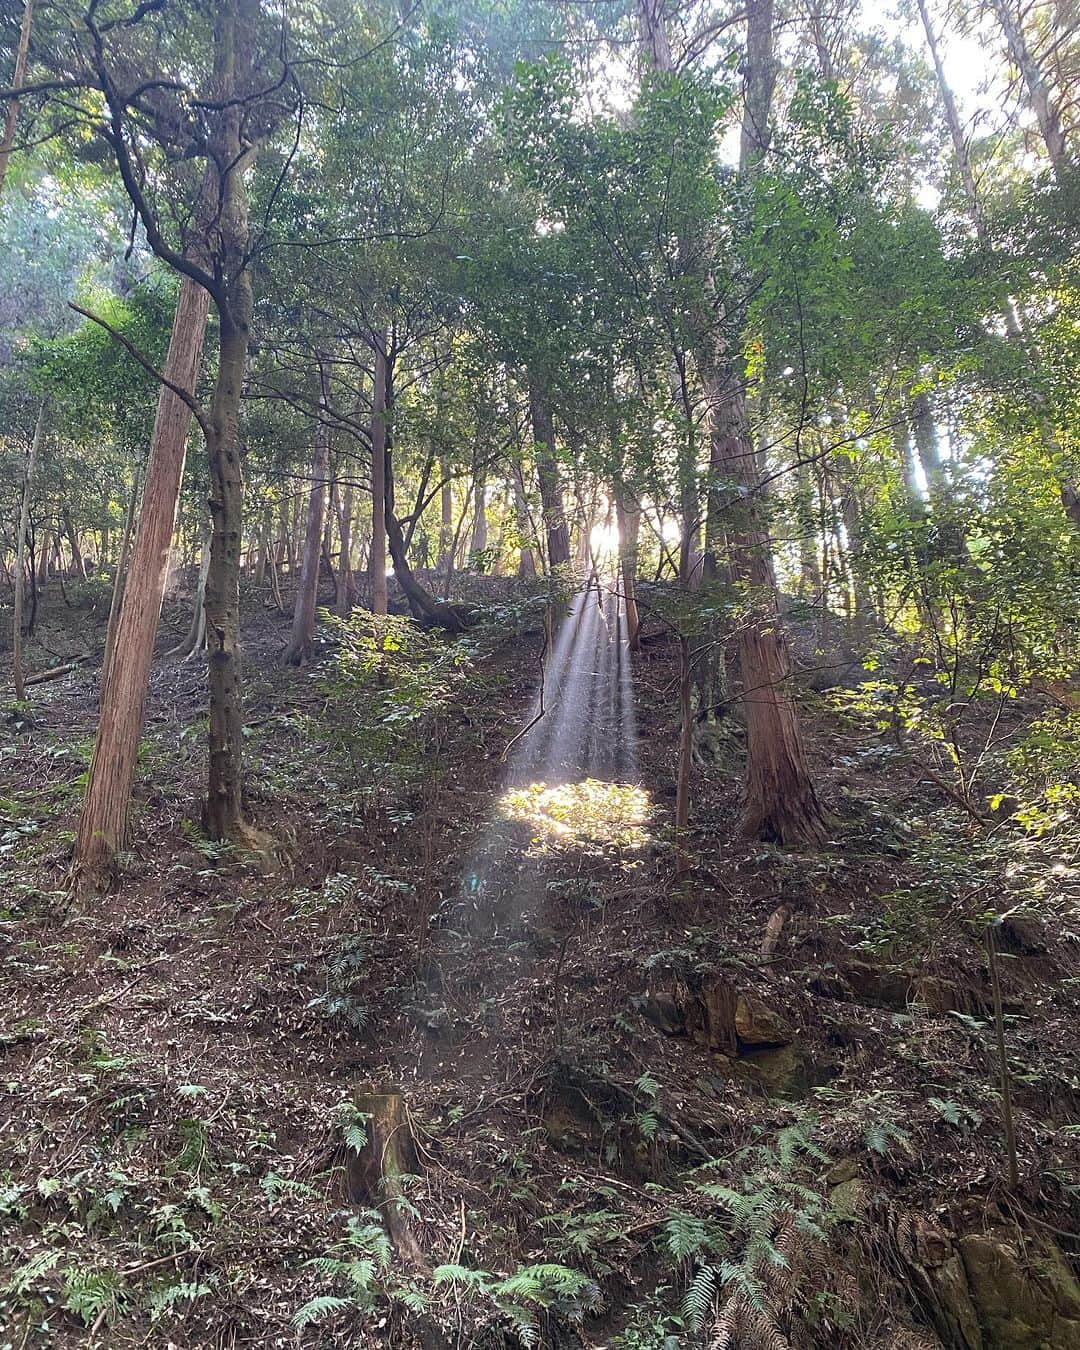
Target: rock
[(709, 1015), (783, 1072), (999, 1289), (944, 996), (662, 1011), (845, 1169), (1024, 1293), (757, 1025), (938, 1279), (849, 1200), (1024, 934), (883, 986)]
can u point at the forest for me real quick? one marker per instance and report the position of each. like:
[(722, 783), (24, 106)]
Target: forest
[(540, 738)]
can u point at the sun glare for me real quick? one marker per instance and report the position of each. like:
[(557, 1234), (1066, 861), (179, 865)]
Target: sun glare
[(589, 813)]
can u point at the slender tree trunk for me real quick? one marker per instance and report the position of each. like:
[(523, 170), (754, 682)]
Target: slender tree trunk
[(628, 520), (120, 579), (377, 560), (195, 638), (307, 594), (956, 129), (262, 547), (44, 556), (103, 823), (1040, 95), (344, 599), (682, 773), (551, 498), (527, 559), (925, 437), (20, 555), (480, 526), (224, 814), (12, 117), (77, 565), (446, 519)]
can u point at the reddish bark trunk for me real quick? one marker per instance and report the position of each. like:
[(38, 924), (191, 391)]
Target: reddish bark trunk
[(103, 824)]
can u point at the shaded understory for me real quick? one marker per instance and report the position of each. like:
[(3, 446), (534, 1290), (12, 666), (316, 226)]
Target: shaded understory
[(708, 1122)]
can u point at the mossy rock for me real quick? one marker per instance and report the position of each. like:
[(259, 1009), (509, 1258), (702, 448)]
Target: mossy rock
[(1024, 1293)]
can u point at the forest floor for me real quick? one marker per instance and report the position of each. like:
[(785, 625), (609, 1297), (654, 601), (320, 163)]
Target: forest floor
[(760, 1104)]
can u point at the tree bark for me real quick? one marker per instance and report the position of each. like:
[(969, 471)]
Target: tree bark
[(195, 637), (628, 520), (344, 598), (77, 564), (307, 595), (103, 823), (480, 528), (12, 117), (223, 816), (20, 556), (781, 804), (1040, 95), (120, 580), (558, 533), (526, 560), (377, 559), (446, 520)]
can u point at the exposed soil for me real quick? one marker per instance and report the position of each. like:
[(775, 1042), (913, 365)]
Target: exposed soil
[(178, 1059)]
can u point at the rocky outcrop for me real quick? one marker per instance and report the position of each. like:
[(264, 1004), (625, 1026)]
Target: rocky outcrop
[(997, 1289)]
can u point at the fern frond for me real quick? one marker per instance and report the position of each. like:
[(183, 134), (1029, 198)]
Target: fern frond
[(316, 1309)]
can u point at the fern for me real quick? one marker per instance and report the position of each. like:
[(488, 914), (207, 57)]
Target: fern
[(318, 1308), (698, 1299), (28, 1274), (544, 1284), (462, 1276), (182, 1291), (685, 1235), (92, 1295)]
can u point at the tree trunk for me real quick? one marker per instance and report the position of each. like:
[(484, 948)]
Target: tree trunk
[(195, 637), (760, 79), (446, 520), (480, 527), (344, 598), (781, 804), (558, 533), (77, 564), (926, 447), (1040, 95), (12, 117), (224, 814), (682, 772), (527, 560), (44, 556), (103, 824), (956, 129), (20, 556), (120, 579), (628, 519), (307, 595), (377, 559), (262, 548)]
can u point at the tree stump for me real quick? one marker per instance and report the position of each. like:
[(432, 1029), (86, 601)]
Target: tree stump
[(375, 1173)]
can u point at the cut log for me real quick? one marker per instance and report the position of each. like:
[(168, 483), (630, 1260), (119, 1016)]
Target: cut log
[(375, 1173), (43, 676)]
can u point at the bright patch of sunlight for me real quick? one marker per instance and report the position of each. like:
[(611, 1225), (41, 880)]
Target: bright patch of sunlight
[(604, 546), (582, 814)]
